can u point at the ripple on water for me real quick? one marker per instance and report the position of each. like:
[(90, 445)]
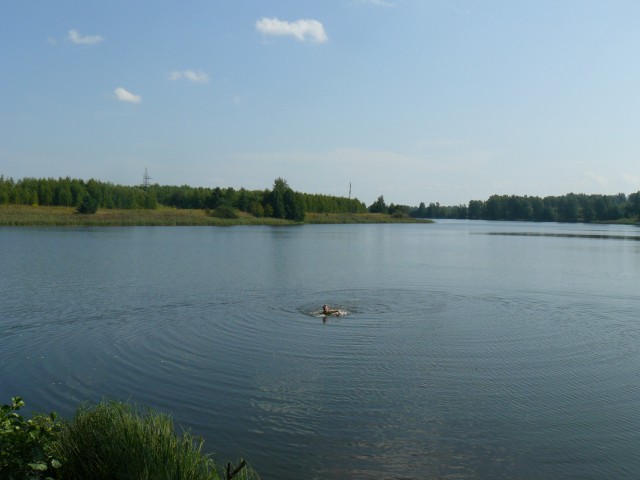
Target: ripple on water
[(418, 375)]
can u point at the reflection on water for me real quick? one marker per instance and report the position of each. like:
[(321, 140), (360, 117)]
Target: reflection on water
[(459, 355), (567, 235)]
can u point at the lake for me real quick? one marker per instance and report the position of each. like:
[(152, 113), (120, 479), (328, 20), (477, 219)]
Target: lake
[(469, 349)]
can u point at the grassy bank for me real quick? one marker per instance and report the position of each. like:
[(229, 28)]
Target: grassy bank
[(23, 216), (67, 217)]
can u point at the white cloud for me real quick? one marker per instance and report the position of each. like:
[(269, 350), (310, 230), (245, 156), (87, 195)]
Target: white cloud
[(379, 3), (78, 39), (195, 77), (439, 143), (303, 30), (631, 179), (126, 96), (598, 179)]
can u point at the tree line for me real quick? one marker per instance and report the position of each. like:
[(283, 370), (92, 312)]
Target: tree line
[(281, 201), (571, 207), (68, 192)]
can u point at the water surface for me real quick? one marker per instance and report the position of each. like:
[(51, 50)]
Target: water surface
[(470, 349)]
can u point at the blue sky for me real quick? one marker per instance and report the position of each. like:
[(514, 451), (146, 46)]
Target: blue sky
[(417, 100)]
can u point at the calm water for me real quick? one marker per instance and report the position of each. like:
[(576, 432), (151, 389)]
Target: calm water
[(470, 349)]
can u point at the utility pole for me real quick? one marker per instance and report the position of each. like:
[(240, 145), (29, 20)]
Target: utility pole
[(349, 190), (145, 178)]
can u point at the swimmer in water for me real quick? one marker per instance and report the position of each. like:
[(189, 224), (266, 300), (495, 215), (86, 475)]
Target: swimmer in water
[(328, 311)]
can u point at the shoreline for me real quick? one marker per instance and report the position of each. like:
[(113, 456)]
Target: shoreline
[(30, 216), (40, 216)]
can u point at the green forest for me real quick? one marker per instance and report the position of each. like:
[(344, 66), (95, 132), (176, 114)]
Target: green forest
[(571, 207), (281, 201)]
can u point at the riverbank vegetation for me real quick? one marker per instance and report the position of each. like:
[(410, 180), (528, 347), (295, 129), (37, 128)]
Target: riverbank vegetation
[(111, 440), (185, 205), (27, 216), (333, 218), (92, 196), (72, 202), (620, 208)]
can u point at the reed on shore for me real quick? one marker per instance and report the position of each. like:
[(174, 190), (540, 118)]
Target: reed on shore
[(28, 216), (109, 441), (116, 440), (25, 216)]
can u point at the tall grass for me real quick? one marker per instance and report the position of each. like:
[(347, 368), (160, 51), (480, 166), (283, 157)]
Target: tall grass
[(115, 440), (27, 216)]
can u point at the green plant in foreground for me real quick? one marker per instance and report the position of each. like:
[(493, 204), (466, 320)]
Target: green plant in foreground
[(111, 440), (114, 440), (26, 445)]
